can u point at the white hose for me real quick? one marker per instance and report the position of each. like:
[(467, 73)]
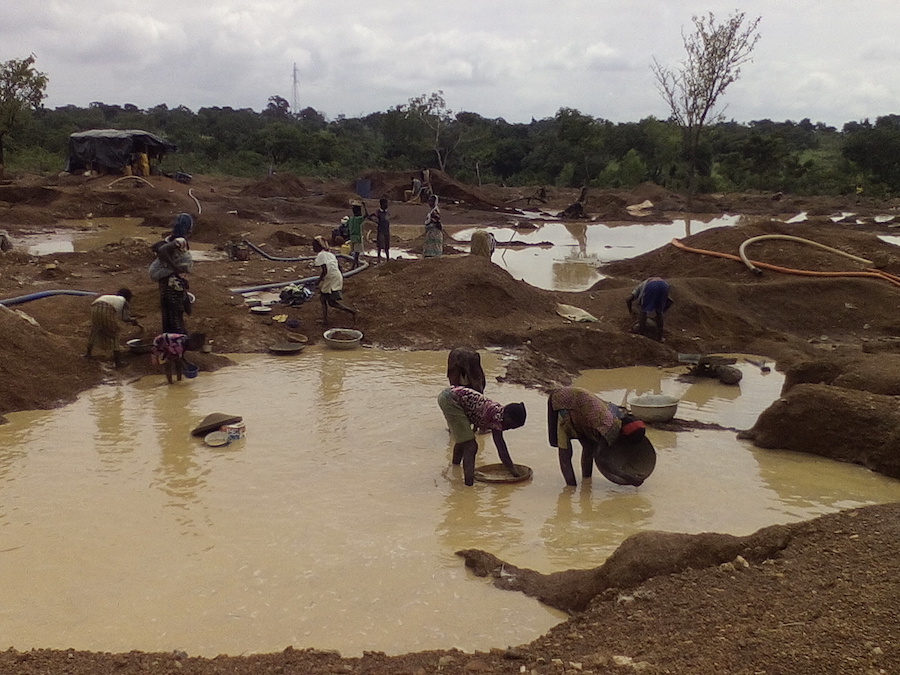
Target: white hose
[(788, 237), (132, 178), (196, 201)]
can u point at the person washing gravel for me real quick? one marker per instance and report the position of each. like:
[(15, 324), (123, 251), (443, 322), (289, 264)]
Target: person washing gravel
[(107, 312), (468, 411), (610, 438)]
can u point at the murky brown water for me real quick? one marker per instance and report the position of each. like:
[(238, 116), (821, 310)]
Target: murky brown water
[(334, 523)]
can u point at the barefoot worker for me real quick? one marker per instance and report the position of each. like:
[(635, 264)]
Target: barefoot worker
[(169, 351), (609, 437), (106, 312), (464, 409), (652, 295), (331, 281)]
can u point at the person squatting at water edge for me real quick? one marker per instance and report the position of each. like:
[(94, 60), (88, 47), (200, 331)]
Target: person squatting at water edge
[(652, 295), (331, 281), (169, 351), (464, 409), (609, 437), (464, 369), (106, 311)]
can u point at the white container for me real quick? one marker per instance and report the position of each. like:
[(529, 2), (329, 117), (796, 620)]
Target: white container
[(654, 407), (342, 338)]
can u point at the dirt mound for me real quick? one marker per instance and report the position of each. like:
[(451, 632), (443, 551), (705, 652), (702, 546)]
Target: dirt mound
[(393, 185), (670, 261), (29, 352), (277, 185), (466, 299), (33, 196), (660, 196), (866, 431)]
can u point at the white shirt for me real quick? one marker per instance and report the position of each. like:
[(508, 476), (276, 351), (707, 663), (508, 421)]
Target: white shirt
[(117, 301), (334, 280)]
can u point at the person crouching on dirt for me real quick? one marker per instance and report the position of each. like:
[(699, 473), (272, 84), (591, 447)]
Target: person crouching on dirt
[(169, 351), (652, 295), (331, 281), (464, 409), (609, 437), (464, 369), (106, 313)]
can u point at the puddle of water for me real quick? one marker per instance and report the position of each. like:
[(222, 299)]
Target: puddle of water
[(577, 249), (90, 235), (334, 523)]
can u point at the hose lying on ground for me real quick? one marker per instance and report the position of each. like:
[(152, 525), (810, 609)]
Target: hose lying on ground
[(788, 237), (867, 274), (267, 256), (299, 282), (9, 302)]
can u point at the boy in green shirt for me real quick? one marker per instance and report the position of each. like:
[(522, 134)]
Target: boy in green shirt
[(355, 228)]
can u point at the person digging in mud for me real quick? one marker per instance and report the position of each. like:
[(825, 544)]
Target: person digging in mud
[(169, 352), (464, 369), (106, 313), (331, 281), (468, 411), (652, 295), (610, 438)]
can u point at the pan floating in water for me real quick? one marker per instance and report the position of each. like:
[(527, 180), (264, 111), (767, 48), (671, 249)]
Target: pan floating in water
[(497, 473)]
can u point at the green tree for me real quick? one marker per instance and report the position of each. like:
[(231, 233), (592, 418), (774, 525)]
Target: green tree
[(22, 88), (715, 54), (433, 112)]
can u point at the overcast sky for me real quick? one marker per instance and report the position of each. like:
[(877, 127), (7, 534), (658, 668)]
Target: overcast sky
[(831, 61)]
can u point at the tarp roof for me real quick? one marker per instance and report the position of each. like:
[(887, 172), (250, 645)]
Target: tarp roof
[(112, 148)]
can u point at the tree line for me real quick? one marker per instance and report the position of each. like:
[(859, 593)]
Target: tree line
[(570, 149)]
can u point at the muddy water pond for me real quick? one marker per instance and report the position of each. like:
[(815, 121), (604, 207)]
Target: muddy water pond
[(334, 522)]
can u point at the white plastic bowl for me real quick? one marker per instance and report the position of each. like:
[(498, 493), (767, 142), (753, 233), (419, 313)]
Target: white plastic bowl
[(342, 338), (654, 407)]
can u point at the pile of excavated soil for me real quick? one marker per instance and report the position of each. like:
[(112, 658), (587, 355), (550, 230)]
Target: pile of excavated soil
[(277, 185)]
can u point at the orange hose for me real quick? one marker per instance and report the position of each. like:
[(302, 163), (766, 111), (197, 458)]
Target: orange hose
[(867, 274)]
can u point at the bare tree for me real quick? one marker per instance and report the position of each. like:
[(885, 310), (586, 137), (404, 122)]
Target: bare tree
[(438, 118), (715, 54)]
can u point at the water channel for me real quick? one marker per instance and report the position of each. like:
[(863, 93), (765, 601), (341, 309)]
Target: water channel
[(334, 523)]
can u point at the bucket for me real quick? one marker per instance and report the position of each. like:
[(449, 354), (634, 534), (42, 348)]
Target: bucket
[(235, 431), (190, 370)]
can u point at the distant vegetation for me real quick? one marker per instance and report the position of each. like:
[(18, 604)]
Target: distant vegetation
[(570, 149)]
